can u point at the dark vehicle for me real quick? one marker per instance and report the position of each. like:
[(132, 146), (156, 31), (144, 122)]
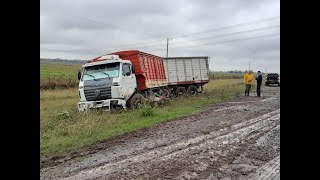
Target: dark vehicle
[(273, 78)]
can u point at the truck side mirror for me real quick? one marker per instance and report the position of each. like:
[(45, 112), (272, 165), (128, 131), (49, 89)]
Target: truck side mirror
[(133, 69), (79, 75)]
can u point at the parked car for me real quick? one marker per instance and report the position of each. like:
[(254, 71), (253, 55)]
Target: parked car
[(273, 78)]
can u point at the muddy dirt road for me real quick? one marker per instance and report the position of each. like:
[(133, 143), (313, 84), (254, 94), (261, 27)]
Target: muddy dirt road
[(238, 139)]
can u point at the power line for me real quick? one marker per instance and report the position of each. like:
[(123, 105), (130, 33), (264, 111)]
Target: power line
[(205, 44), (231, 26), (221, 28), (221, 35), (234, 33), (162, 39), (183, 35), (205, 38), (227, 41), (211, 37), (218, 36), (225, 27)]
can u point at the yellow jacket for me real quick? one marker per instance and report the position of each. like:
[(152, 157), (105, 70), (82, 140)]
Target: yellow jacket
[(248, 78)]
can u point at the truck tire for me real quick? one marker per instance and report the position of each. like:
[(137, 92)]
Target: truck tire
[(181, 91), (170, 93), (165, 92), (192, 90), (136, 101), (267, 84)]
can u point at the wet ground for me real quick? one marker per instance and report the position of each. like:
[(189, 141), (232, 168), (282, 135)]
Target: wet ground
[(238, 139)]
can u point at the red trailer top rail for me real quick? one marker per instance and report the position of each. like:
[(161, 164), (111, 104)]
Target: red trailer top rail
[(149, 69)]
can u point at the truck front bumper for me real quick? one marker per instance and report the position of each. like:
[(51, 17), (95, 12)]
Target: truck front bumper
[(103, 104)]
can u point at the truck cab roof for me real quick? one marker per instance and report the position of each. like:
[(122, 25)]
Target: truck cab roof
[(105, 62)]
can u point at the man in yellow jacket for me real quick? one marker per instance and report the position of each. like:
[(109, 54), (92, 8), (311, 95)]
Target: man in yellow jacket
[(248, 78)]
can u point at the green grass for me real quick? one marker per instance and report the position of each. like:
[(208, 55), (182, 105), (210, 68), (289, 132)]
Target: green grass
[(225, 75), (63, 129), (58, 76), (56, 71)]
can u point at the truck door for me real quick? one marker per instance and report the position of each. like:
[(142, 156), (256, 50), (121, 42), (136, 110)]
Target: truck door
[(129, 80)]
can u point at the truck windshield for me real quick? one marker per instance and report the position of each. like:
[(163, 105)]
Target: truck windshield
[(110, 70)]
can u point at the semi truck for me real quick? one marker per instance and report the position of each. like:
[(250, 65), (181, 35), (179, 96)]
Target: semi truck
[(127, 78)]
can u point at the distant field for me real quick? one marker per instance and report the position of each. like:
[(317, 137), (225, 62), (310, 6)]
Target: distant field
[(63, 128), (58, 76), (59, 71), (224, 75)]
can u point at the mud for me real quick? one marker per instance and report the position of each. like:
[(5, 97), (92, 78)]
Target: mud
[(238, 139)]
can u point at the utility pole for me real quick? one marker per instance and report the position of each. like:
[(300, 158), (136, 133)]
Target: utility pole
[(167, 46)]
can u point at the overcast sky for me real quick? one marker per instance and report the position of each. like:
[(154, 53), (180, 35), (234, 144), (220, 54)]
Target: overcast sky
[(233, 33)]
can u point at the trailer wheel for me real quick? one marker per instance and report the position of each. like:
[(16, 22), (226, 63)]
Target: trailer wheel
[(166, 93), (170, 92), (136, 101), (181, 91), (192, 90)]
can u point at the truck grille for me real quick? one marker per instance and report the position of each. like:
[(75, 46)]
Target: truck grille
[(92, 95)]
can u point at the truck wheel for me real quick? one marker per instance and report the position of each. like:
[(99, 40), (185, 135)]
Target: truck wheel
[(136, 101), (168, 92), (192, 90), (181, 91), (165, 92)]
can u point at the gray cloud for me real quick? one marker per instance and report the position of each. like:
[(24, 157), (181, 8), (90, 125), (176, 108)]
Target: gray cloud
[(86, 29)]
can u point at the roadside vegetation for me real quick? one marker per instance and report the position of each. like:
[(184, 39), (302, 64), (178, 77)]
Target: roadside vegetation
[(226, 75), (58, 76)]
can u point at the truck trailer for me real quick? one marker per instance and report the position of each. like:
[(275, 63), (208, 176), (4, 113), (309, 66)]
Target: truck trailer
[(127, 78), (186, 74)]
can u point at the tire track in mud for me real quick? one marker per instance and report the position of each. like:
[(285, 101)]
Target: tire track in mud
[(192, 163), (174, 154), (200, 158), (244, 164), (270, 170)]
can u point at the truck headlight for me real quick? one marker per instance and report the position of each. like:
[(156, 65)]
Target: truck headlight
[(82, 105)]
